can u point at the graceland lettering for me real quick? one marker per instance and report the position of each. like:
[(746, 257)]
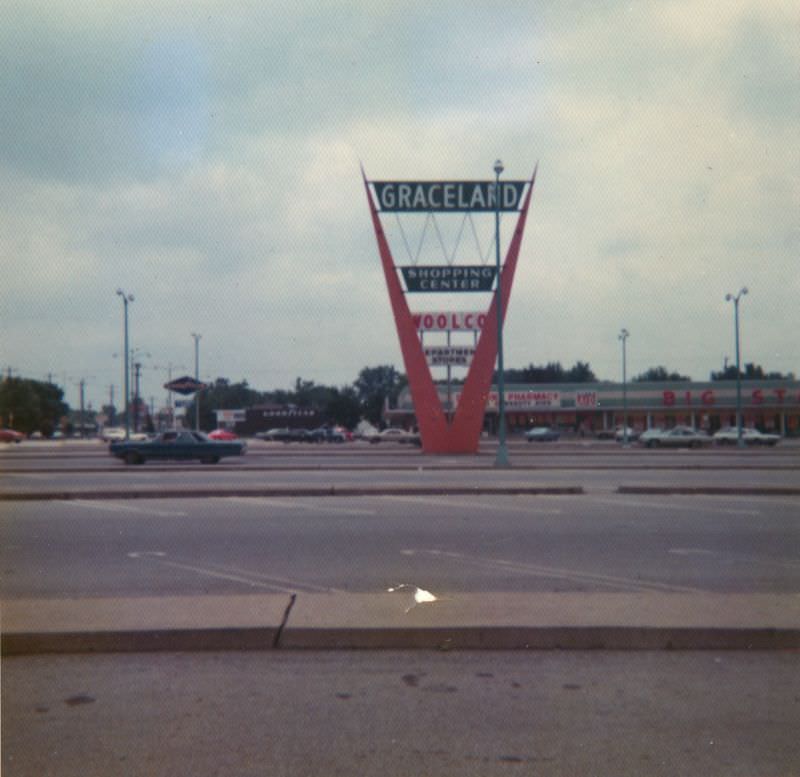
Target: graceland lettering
[(455, 196)]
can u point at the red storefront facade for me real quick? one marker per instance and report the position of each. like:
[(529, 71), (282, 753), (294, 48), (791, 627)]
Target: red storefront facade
[(770, 405)]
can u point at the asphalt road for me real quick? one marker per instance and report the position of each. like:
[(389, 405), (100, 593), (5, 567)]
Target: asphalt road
[(593, 542), (399, 713), (599, 540)]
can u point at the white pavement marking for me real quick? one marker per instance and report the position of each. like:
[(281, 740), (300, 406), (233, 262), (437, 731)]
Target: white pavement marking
[(677, 505), (788, 564), (252, 579), (538, 570), (115, 507), (270, 502), (471, 505)]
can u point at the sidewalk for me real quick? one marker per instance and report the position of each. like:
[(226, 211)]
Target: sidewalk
[(398, 620)]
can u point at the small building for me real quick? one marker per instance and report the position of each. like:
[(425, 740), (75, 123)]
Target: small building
[(261, 418), (769, 405)]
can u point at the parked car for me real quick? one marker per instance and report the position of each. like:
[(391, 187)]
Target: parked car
[(284, 434), (678, 437), (619, 434), (327, 434), (11, 435), (542, 434), (395, 434), (648, 434), (729, 435), (605, 434), (176, 445), (222, 434)]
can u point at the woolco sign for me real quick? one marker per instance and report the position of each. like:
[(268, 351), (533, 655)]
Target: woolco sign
[(439, 321)]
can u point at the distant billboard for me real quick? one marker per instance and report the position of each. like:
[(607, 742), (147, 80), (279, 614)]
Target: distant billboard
[(184, 385)]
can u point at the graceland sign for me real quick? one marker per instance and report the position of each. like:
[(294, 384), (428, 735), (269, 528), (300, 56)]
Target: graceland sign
[(444, 430), (448, 196)]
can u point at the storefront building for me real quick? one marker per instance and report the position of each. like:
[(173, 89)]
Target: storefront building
[(769, 405)]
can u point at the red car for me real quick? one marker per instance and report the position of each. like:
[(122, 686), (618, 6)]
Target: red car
[(222, 434), (9, 435)]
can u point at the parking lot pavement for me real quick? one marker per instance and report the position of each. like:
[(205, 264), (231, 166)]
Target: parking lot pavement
[(459, 714)]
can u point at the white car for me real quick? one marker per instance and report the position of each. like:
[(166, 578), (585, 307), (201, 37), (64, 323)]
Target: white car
[(678, 437), (729, 435), (394, 434), (648, 434), (114, 433)]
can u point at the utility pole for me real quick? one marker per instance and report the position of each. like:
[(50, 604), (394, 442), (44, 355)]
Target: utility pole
[(735, 299), (83, 417), (126, 298), (138, 368), (197, 378)]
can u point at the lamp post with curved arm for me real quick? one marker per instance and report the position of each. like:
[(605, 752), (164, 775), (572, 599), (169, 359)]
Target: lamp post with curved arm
[(501, 460), (623, 336), (735, 299)]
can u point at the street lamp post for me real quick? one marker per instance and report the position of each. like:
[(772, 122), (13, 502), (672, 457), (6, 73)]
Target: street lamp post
[(197, 379), (501, 460), (126, 298), (623, 336), (735, 300)]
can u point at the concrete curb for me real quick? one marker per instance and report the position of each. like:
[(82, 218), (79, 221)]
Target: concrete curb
[(712, 490), (193, 493), (492, 621), (400, 490)]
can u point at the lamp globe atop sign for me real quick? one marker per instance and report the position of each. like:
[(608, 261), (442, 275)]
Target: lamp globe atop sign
[(498, 167)]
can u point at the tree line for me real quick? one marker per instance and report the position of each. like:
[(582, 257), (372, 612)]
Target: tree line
[(31, 405)]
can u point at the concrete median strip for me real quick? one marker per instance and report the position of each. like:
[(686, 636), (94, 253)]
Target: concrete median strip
[(495, 621), (301, 491), (712, 490)]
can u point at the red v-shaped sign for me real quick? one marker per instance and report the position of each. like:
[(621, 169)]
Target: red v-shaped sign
[(462, 434)]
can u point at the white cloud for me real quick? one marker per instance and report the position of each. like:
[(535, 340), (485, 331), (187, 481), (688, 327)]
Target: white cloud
[(208, 161)]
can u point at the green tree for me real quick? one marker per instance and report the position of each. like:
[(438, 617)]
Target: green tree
[(374, 385), (221, 395), (751, 372), (343, 407), (581, 372), (31, 405), (659, 374), (552, 372)]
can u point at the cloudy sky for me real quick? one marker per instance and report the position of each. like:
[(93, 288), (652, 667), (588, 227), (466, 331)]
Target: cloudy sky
[(205, 157)]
